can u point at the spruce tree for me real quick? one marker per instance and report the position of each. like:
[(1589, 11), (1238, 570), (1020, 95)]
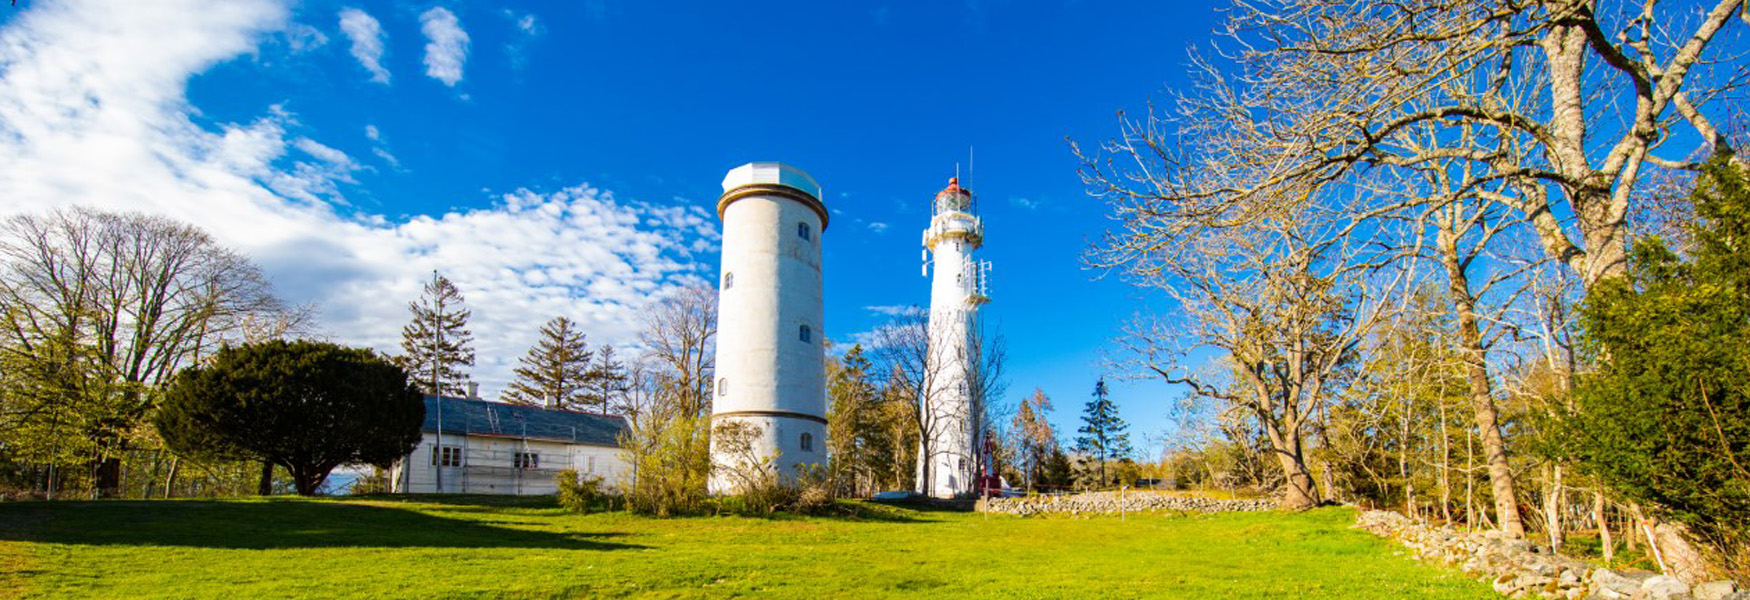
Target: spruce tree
[(437, 343), (556, 371), (607, 380), (1103, 437)]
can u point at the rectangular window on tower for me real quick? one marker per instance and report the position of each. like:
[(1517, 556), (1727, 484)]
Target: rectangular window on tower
[(802, 230)]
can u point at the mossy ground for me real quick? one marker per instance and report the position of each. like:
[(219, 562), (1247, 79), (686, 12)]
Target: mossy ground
[(478, 547)]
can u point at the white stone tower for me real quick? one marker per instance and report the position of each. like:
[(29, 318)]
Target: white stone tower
[(771, 365), (949, 465)]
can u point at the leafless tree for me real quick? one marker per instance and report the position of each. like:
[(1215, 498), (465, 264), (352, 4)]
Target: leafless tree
[(919, 359), (102, 308), (679, 340)]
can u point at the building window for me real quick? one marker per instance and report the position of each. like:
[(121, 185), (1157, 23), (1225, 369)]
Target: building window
[(728, 280), (807, 442), (591, 468), (802, 230), (527, 460), (807, 334), (723, 386), (446, 456)]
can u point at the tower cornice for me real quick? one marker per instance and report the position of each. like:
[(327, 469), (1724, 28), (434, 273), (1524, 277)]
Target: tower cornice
[(773, 189)]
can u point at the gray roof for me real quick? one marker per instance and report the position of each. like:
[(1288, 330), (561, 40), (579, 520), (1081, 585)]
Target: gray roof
[(479, 417)]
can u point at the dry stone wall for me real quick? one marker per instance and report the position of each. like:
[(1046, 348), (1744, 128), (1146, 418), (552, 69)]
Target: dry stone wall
[(1113, 502), (1522, 569)]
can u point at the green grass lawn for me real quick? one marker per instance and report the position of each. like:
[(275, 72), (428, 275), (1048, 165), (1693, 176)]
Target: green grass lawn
[(475, 547)]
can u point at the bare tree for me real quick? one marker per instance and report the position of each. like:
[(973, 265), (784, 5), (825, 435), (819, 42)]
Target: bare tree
[(923, 362), (1280, 290), (679, 339), (97, 310)]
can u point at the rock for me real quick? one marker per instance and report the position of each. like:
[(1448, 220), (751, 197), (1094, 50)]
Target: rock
[(1665, 587), (1715, 590), (1610, 585)]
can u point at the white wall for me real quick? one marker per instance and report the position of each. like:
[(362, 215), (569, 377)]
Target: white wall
[(489, 466), (763, 365)]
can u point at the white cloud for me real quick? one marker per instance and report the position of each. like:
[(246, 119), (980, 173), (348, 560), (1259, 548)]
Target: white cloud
[(896, 310), (529, 29), (380, 146), (1024, 203), (446, 48), (300, 38), (877, 226), (97, 87), (367, 41)]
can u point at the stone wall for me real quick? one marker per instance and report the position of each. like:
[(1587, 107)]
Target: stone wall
[(1111, 502), (1522, 569)]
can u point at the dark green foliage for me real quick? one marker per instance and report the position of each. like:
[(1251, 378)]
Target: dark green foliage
[(556, 372), (1665, 419), (1103, 437), (1057, 472), (856, 431), (437, 343), (306, 406)]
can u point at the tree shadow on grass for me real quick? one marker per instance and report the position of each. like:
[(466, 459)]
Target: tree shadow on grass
[(272, 525)]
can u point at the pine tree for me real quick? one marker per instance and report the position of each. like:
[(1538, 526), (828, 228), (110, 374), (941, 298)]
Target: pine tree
[(607, 381), (437, 343), (1103, 437), (556, 371), (855, 436)]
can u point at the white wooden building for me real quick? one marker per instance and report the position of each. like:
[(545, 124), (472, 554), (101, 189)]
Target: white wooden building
[(497, 448)]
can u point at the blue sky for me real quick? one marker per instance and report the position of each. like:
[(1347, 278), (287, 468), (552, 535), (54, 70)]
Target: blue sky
[(562, 158)]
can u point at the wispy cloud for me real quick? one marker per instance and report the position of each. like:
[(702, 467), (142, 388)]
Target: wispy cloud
[(380, 146), (528, 29), (1023, 203), (877, 227), (367, 41), (446, 47), (95, 82), (896, 310)]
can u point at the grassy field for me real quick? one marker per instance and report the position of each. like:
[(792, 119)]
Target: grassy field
[(471, 547)]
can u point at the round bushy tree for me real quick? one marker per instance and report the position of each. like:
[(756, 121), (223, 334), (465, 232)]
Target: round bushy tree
[(306, 406)]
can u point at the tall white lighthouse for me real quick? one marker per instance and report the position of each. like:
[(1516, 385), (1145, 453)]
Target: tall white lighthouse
[(771, 365), (948, 463)]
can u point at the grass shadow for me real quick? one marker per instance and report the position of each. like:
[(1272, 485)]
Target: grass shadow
[(268, 525)]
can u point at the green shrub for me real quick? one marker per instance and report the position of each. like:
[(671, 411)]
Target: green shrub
[(581, 494)]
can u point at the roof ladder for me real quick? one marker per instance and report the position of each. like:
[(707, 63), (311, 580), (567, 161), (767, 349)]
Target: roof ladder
[(492, 419)]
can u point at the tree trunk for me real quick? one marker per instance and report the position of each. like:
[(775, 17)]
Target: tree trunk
[(1553, 499), (170, 478), (307, 481), (265, 486), (1599, 517), (1681, 558), (107, 477), (1298, 494), (1482, 399)]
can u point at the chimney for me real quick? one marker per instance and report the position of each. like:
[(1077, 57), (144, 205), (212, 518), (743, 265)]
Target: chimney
[(473, 390)]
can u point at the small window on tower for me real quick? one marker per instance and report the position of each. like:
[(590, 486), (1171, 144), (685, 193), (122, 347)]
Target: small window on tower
[(802, 230), (807, 442), (728, 280), (807, 334), (723, 386)]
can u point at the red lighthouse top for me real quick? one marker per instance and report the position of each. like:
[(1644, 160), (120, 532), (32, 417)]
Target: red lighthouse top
[(953, 198)]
